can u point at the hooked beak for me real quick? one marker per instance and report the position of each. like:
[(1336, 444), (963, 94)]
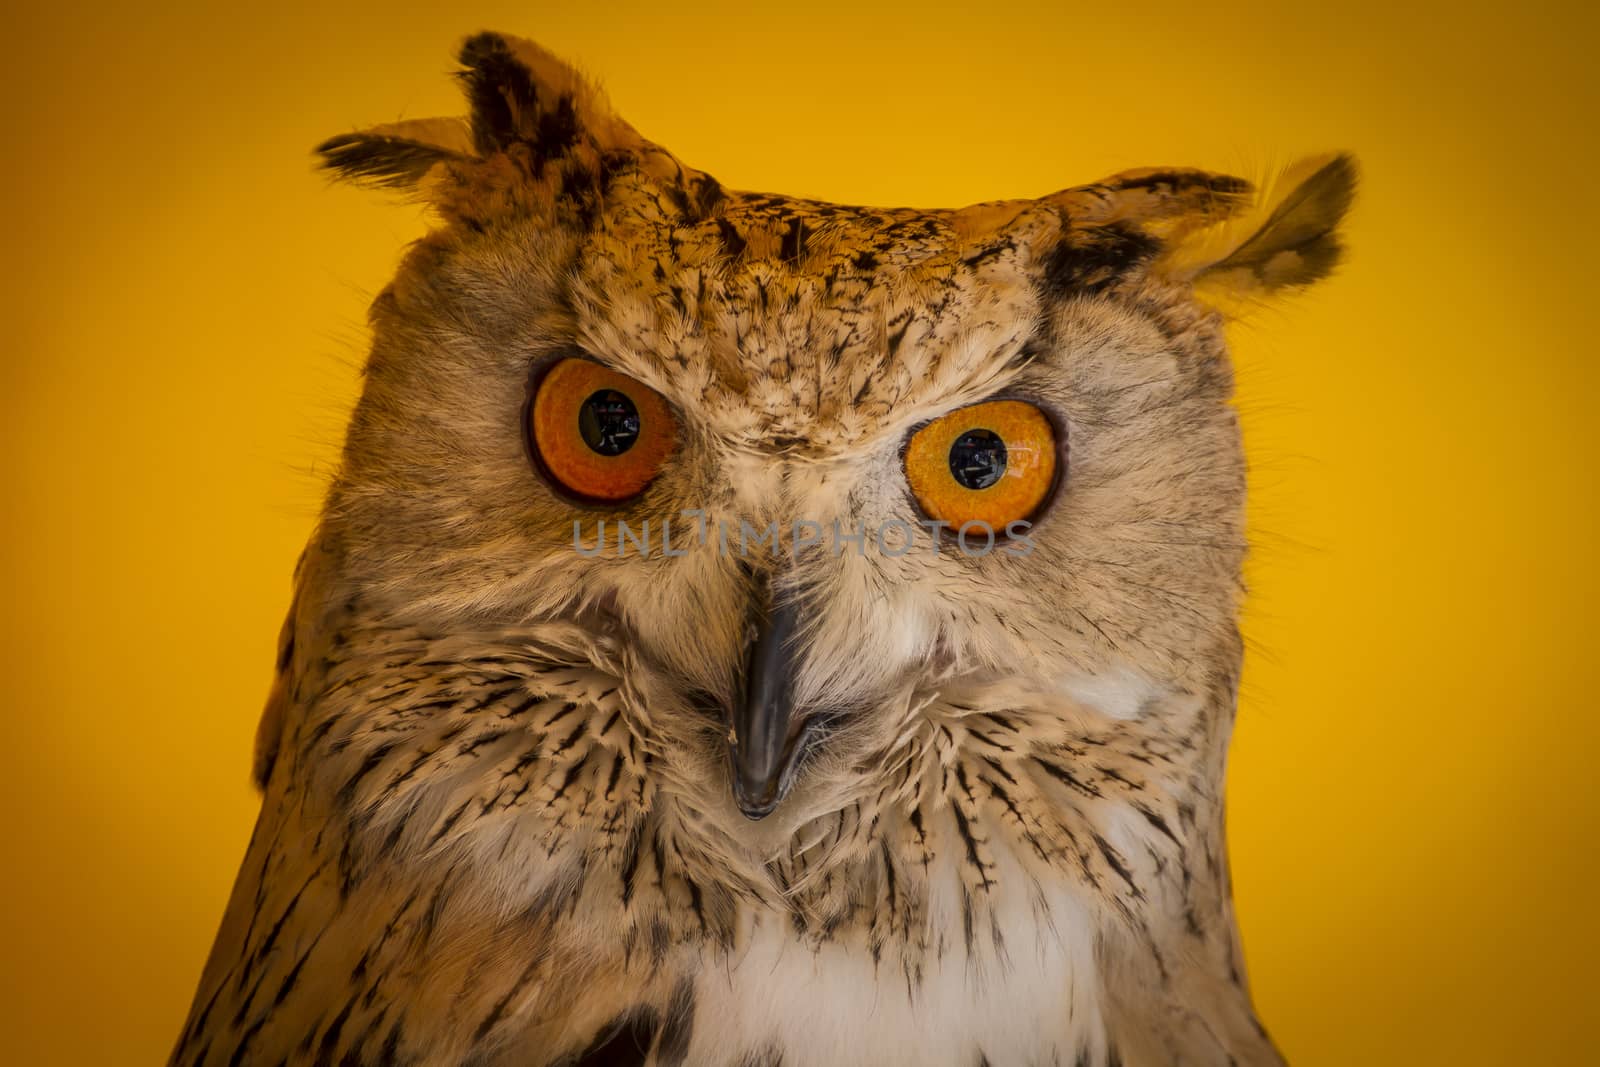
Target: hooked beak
[(763, 744)]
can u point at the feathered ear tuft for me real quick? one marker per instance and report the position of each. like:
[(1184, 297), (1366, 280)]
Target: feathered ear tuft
[(1159, 201), (520, 98), (1116, 229), (397, 156), (539, 138), (1295, 245), (501, 96), (521, 94)]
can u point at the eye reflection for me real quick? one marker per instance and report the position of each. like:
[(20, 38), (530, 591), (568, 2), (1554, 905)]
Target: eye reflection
[(978, 458), (608, 422)]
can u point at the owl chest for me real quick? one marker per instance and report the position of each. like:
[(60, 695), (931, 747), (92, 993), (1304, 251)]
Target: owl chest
[(1024, 991)]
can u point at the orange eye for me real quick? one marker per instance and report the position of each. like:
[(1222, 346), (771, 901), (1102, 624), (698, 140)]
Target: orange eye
[(992, 463), (598, 435)]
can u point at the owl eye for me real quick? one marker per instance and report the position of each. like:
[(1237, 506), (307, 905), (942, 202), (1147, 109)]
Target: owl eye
[(992, 463), (597, 435)]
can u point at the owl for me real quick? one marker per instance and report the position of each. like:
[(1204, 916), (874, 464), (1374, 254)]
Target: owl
[(748, 631)]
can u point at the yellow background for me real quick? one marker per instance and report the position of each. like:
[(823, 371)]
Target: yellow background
[(1412, 826)]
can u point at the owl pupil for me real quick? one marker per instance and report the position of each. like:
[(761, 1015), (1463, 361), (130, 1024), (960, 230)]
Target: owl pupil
[(978, 458), (609, 422)]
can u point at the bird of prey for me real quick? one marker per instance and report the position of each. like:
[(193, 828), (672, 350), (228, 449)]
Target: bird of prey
[(748, 631)]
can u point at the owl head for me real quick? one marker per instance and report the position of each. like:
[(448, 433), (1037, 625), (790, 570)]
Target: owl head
[(808, 484)]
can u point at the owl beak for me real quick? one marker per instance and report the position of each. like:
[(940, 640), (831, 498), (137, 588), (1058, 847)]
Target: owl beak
[(763, 745)]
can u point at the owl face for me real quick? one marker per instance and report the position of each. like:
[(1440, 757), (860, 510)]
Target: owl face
[(735, 611), (802, 477)]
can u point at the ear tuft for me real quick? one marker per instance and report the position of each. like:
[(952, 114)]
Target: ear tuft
[(520, 93), (500, 92), (1167, 192), (1298, 243), (540, 138), (1161, 202), (396, 156)]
